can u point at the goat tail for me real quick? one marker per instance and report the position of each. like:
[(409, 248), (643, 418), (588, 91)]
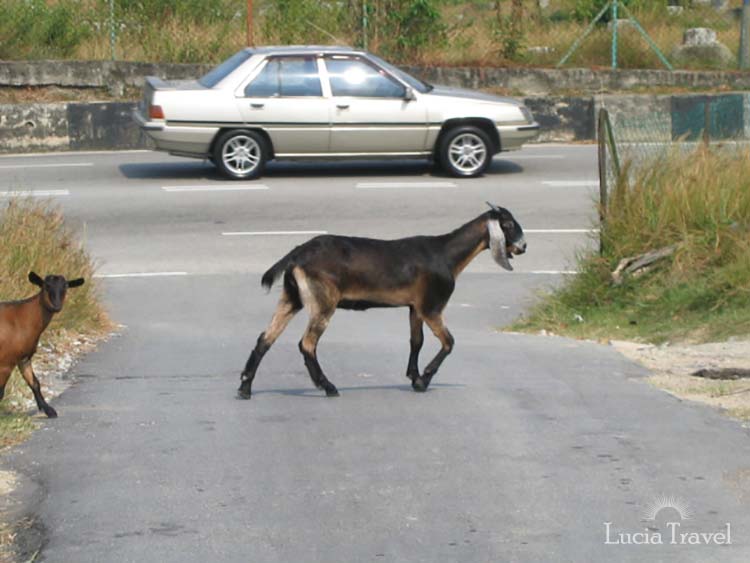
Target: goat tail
[(275, 271)]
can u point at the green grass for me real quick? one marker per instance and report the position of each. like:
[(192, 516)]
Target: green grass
[(701, 203), (429, 32), (14, 426), (35, 237)]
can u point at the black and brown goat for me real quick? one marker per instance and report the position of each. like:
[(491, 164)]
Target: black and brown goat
[(330, 272), (22, 323)]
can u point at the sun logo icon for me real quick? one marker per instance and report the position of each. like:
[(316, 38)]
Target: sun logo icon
[(662, 502)]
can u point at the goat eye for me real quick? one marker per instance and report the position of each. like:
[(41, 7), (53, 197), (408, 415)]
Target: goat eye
[(507, 225)]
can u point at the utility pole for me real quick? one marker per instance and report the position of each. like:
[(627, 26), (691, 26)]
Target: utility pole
[(745, 36), (250, 37)]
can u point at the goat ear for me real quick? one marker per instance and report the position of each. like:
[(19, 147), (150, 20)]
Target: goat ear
[(35, 279), (493, 206), (497, 244), (76, 283)]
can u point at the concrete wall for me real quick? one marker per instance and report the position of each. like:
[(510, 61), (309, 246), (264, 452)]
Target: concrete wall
[(68, 126), (103, 126), (116, 75), (113, 75)]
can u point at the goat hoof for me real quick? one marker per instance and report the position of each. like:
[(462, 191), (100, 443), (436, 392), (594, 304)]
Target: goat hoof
[(50, 412), (419, 385), (243, 394), (332, 392)]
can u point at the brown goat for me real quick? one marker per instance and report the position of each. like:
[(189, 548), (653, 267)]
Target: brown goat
[(22, 323), (334, 272)]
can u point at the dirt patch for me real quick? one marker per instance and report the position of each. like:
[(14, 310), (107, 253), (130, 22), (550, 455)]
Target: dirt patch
[(673, 367)]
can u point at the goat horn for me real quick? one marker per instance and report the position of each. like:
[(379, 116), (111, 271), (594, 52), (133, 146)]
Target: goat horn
[(497, 245), (493, 207)]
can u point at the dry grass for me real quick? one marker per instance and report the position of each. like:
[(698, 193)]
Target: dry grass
[(471, 26), (698, 201), (35, 238)]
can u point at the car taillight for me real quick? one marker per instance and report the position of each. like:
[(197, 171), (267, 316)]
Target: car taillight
[(155, 112)]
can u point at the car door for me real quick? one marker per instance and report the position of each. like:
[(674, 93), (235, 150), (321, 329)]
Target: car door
[(370, 112), (285, 98)]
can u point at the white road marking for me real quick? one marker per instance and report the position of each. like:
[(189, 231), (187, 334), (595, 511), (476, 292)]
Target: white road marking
[(182, 274), (571, 183), (560, 231), (142, 275), (531, 156), (60, 165), (591, 145), (243, 188), (400, 185), (69, 153), (34, 193), (551, 272), (271, 233)]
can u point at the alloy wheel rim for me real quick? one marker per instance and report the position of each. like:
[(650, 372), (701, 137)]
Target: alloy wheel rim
[(241, 155), (467, 153)]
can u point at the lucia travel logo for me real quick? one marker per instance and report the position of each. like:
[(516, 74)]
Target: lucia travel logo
[(664, 502), (676, 514)]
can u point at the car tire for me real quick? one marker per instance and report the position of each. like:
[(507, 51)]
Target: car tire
[(465, 152), (241, 154)]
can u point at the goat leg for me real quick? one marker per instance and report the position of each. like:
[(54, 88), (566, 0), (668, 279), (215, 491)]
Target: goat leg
[(309, 345), (26, 370), (420, 384), (4, 376), (285, 310), (415, 342), (316, 373), (248, 374)]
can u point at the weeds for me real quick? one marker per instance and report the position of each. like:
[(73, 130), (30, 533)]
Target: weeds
[(699, 201)]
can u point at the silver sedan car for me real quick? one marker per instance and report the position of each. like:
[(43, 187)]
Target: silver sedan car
[(326, 103)]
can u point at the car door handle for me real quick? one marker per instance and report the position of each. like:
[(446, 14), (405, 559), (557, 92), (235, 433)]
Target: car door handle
[(257, 106), (342, 106)]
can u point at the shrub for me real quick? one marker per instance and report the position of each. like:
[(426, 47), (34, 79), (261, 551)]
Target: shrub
[(39, 30)]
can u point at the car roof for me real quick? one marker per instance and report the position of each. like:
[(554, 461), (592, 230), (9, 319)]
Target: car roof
[(302, 49)]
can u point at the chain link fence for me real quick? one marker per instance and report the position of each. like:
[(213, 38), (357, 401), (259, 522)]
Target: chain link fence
[(631, 141), (431, 32)]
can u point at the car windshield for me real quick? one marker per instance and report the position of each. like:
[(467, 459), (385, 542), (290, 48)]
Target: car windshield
[(418, 85), (218, 73)]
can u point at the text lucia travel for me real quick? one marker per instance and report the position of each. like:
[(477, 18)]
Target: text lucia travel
[(674, 536)]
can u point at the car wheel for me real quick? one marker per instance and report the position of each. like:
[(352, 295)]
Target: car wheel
[(241, 154), (465, 152)]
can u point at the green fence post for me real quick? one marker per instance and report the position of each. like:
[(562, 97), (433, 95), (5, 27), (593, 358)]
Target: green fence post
[(603, 188), (112, 40), (364, 24), (745, 36), (614, 34)]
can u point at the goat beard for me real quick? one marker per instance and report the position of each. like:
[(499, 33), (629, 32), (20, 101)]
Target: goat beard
[(497, 245)]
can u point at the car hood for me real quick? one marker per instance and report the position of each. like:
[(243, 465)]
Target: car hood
[(450, 92)]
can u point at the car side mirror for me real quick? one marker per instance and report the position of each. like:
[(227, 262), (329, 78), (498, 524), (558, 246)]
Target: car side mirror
[(409, 95)]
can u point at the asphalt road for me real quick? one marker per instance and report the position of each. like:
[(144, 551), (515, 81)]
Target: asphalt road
[(525, 448)]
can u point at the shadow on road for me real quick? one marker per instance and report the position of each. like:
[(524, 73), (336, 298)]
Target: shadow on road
[(317, 394), (203, 170)]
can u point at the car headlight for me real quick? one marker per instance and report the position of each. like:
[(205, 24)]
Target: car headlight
[(526, 112)]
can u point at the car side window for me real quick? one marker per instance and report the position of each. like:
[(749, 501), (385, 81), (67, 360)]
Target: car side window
[(354, 77), (286, 76)]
